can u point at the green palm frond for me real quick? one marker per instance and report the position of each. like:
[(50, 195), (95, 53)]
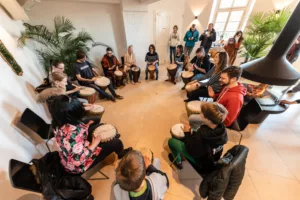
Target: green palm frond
[(62, 25)]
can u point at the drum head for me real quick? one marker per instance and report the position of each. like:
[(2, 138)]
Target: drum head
[(177, 130), (187, 74), (135, 69), (151, 67), (194, 106), (102, 81), (118, 73), (98, 109), (106, 131), (87, 91), (172, 66), (146, 152)]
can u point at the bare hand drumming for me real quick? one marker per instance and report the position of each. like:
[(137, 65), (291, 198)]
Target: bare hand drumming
[(211, 92), (147, 161), (186, 128)]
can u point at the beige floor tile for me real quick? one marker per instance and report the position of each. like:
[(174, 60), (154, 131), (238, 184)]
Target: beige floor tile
[(275, 187), (247, 190), (170, 196), (7, 192)]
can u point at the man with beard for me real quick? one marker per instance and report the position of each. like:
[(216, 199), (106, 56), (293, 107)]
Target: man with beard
[(231, 96)]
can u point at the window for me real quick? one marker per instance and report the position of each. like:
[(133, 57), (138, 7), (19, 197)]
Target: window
[(230, 16)]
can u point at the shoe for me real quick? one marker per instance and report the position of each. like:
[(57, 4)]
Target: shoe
[(167, 80), (157, 78), (146, 78), (124, 152), (174, 83), (118, 96), (171, 159), (183, 88), (112, 99), (186, 100)]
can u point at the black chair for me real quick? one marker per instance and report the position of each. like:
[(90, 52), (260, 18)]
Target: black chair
[(21, 177), (37, 125), (122, 60)]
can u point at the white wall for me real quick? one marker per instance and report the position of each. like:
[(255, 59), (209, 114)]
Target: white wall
[(103, 21), (17, 93)]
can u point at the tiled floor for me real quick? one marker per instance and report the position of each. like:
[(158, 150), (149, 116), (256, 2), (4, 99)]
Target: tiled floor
[(144, 119)]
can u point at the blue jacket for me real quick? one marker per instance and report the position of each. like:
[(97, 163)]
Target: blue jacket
[(189, 34)]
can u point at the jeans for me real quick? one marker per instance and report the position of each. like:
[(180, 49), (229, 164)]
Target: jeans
[(195, 121), (197, 76), (188, 50), (177, 147), (200, 92), (172, 51), (101, 91), (156, 70)]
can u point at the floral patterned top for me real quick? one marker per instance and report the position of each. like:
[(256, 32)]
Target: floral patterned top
[(73, 149)]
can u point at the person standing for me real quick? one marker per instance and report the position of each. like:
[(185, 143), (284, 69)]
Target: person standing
[(233, 46), (130, 62), (208, 37), (174, 40), (190, 38), (152, 58)]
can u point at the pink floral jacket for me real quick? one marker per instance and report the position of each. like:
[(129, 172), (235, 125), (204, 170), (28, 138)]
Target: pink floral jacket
[(73, 149)]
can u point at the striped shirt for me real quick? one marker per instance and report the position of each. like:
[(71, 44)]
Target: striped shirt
[(213, 80)]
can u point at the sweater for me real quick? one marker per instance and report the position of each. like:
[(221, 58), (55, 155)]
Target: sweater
[(129, 60), (106, 64), (213, 80), (151, 57), (206, 145), (174, 39), (232, 99), (189, 34)]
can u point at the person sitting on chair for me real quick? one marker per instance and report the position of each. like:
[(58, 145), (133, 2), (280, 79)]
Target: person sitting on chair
[(231, 96), (85, 75), (71, 133), (179, 60), (201, 88), (138, 179), (203, 146), (111, 64), (152, 58), (201, 64), (130, 62)]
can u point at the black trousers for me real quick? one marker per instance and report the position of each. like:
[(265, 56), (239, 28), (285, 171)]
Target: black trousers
[(200, 92)]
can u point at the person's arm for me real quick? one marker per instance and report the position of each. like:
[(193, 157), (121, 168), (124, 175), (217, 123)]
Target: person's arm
[(206, 64), (206, 76), (282, 102), (211, 93), (200, 69), (78, 76), (233, 106), (238, 44), (212, 36), (193, 60), (76, 89), (126, 61), (147, 61)]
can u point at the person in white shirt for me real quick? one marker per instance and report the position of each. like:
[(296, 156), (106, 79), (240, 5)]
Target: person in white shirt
[(130, 62), (174, 40)]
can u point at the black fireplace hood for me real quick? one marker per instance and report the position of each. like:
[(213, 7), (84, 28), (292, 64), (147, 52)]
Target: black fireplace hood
[(274, 69)]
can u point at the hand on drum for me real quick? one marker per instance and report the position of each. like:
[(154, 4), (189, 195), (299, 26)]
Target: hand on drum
[(186, 128), (88, 106), (97, 139), (147, 161), (89, 123), (211, 92), (94, 78)]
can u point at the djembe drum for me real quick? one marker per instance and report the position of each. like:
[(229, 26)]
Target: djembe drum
[(119, 77), (88, 94), (97, 110), (193, 107), (151, 69), (187, 76), (106, 131), (146, 152), (192, 87), (172, 69), (177, 131), (103, 83), (136, 74)]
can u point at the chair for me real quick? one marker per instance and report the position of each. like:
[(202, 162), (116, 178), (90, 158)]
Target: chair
[(37, 125), (21, 176), (122, 61)]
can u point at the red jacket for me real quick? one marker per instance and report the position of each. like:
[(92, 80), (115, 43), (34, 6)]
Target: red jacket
[(232, 99)]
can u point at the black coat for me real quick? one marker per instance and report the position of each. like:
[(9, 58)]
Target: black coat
[(207, 41), (226, 181), (206, 145)]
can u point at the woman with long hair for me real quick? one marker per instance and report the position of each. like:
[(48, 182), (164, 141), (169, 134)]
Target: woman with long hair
[(233, 46), (152, 58), (221, 62), (76, 151), (179, 60)]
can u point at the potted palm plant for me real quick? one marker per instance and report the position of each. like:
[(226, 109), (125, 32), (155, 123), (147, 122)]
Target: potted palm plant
[(261, 31), (60, 44)]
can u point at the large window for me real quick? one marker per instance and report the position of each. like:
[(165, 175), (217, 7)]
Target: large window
[(230, 16)]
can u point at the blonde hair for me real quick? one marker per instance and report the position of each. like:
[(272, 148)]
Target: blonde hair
[(214, 112), (58, 76)]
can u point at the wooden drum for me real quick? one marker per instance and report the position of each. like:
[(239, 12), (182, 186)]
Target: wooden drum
[(106, 131), (97, 110), (151, 69), (187, 76), (136, 74), (172, 69), (88, 94), (119, 77), (193, 107), (103, 83)]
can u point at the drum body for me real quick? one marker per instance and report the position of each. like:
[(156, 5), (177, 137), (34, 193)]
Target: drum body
[(193, 107), (187, 76), (119, 77), (136, 73), (172, 69), (106, 131), (151, 69), (103, 83), (97, 111), (88, 94), (146, 152), (177, 131), (192, 87)]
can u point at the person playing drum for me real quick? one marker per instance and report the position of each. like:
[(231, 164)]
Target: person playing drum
[(130, 62), (203, 146), (152, 58), (86, 75), (77, 154), (201, 63), (111, 64), (179, 60)]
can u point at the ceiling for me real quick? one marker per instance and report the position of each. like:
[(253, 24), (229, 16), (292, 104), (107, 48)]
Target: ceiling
[(88, 1)]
